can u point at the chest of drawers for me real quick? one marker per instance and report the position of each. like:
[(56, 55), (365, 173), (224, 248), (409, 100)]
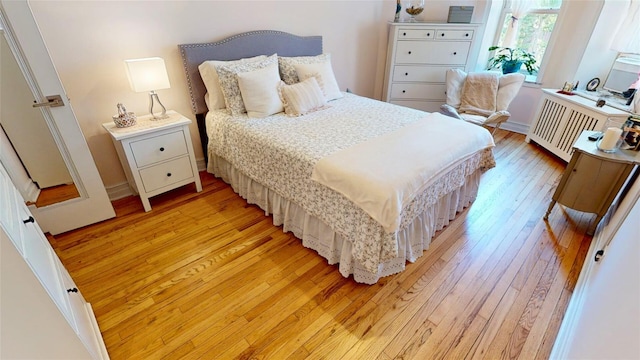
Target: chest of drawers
[(418, 56), (157, 155)]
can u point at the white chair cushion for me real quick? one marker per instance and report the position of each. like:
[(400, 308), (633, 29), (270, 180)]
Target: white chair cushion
[(476, 119), (455, 80), (508, 89)]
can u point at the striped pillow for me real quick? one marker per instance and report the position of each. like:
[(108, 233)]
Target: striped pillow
[(302, 98)]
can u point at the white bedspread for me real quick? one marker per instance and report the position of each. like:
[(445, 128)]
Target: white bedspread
[(384, 174), (280, 153)]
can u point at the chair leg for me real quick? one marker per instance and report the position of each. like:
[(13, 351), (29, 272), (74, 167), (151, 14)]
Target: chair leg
[(496, 128)]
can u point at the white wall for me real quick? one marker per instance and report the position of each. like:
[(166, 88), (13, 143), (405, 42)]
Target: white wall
[(603, 317), (579, 51), (88, 41)]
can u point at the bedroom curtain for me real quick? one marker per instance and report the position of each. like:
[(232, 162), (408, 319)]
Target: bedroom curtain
[(627, 38), (519, 8)]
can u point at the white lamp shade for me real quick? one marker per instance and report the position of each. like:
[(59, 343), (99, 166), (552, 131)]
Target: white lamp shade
[(147, 74)]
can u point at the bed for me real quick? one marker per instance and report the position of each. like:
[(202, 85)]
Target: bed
[(345, 178)]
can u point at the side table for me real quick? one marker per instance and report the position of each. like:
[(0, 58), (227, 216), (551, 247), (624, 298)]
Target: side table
[(156, 155), (593, 178)]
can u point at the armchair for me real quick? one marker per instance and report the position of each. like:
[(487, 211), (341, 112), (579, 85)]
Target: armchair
[(480, 98)]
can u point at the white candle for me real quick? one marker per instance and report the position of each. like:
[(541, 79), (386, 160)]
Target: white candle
[(610, 138)]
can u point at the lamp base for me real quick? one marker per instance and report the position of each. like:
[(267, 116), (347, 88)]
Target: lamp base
[(153, 97)]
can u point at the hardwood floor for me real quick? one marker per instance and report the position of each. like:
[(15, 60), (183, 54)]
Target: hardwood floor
[(204, 275)]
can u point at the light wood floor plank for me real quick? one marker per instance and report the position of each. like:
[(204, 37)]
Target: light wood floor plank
[(207, 276)]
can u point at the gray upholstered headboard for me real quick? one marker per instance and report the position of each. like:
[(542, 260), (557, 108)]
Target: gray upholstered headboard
[(244, 45), (248, 44)]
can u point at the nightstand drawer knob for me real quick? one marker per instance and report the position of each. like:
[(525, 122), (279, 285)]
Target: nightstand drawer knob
[(29, 220), (168, 174), (162, 149)]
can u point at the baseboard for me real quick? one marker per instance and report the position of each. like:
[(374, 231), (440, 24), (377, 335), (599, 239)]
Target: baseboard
[(515, 127), (201, 164), (119, 191)]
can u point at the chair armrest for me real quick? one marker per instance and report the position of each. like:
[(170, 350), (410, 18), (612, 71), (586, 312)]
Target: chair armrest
[(498, 117), (449, 110)]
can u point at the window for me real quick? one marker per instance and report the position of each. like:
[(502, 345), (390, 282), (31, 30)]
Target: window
[(528, 24)]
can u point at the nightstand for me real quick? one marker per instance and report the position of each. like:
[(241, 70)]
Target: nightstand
[(156, 155), (593, 178)]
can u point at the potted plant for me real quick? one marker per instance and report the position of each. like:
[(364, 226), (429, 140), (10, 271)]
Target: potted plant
[(511, 59)]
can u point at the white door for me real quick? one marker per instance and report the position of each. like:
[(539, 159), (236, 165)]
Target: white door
[(26, 42)]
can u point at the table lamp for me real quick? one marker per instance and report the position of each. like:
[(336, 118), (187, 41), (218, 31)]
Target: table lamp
[(149, 74)]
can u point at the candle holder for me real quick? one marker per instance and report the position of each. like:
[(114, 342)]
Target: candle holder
[(612, 135)]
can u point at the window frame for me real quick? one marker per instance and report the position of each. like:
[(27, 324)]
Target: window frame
[(506, 9)]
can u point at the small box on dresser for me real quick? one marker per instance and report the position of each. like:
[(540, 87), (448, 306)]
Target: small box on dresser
[(418, 56), (157, 155)]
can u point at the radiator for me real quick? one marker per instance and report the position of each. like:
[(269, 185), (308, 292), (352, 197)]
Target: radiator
[(561, 118)]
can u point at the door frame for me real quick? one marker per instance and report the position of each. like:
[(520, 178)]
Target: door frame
[(93, 205)]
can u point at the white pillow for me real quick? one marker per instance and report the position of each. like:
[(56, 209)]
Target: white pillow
[(209, 75), (455, 80), (327, 80), (287, 70), (228, 80), (259, 90), (302, 98)]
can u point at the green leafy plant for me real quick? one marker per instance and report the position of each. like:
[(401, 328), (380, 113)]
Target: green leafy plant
[(506, 56)]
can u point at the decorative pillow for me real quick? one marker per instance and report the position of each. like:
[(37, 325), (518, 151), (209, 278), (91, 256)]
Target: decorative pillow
[(455, 80), (209, 75), (259, 90), (228, 77), (287, 70), (324, 72), (508, 88), (302, 98)]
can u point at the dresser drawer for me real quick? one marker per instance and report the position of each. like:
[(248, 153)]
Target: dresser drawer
[(454, 35), (417, 73), (424, 105), (419, 91), (432, 52), (416, 34), (158, 148), (165, 174)]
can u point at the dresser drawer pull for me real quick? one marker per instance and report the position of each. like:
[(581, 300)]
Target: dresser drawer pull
[(409, 52), (404, 34), (428, 34), (406, 74), (168, 174), (74, 290), (455, 53), (162, 149), (29, 220), (442, 34), (467, 34), (404, 91)]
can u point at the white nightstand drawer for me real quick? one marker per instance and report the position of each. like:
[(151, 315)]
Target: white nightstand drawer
[(432, 52), (419, 91), (165, 174), (410, 73), (454, 35), (416, 34), (158, 148)]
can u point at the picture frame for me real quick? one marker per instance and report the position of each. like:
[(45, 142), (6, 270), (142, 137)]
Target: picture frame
[(593, 84), (567, 87), (631, 135)]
